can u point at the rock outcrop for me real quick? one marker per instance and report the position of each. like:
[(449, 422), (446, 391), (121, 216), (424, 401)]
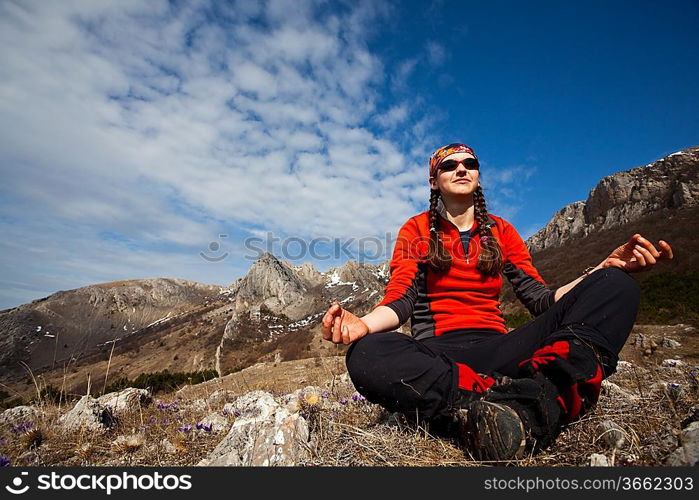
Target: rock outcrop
[(669, 183), (88, 414), (688, 452), (263, 434)]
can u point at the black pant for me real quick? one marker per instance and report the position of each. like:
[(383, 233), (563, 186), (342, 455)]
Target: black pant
[(420, 376)]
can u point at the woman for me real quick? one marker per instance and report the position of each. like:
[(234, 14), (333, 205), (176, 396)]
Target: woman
[(507, 392)]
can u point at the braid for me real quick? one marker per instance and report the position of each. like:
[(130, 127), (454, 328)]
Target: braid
[(490, 260), (437, 255)]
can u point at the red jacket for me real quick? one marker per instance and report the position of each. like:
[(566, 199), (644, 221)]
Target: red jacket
[(461, 297)]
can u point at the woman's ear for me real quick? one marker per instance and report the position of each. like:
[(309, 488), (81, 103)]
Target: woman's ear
[(433, 184)]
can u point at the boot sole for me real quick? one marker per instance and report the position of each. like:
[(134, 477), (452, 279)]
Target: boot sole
[(493, 432)]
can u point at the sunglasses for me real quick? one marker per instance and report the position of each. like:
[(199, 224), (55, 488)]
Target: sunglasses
[(468, 163)]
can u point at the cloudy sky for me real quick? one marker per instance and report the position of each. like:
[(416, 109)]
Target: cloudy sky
[(178, 139)]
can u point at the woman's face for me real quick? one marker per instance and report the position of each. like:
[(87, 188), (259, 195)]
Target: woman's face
[(458, 180)]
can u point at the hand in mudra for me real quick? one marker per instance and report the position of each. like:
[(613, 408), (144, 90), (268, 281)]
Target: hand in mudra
[(638, 254), (341, 326)]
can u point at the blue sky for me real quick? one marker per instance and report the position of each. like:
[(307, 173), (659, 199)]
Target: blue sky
[(133, 134)]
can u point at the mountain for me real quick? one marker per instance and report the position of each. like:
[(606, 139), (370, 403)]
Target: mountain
[(669, 184), (659, 201), (95, 334), (121, 329)]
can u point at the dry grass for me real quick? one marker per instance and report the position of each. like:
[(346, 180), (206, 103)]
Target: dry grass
[(352, 432)]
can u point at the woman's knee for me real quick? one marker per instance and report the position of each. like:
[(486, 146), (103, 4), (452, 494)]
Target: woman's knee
[(622, 281), (365, 356)]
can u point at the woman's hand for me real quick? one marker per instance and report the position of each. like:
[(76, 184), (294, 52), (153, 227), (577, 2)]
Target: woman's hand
[(341, 326), (638, 254)]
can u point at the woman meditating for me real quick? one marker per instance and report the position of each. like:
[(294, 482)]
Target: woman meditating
[(505, 393)]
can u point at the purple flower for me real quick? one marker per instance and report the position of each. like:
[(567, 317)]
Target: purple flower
[(325, 394), (21, 428), (673, 386), (225, 411), (358, 398), (4, 461), (237, 413), (185, 428), (151, 420), (205, 427), (166, 421), (163, 406), (343, 401)]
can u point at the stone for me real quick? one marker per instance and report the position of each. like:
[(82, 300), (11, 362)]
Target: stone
[(88, 414), (168, 447), (670, 343), (672, 363), (263, 434), (127, 400), (692, 417), (219, 398), (612, 390), (219, 423), (18, 415), (688, 452), (612, 434), (598, 460)]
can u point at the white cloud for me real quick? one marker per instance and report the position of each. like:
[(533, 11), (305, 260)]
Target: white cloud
[(160, 126), (436, 53)]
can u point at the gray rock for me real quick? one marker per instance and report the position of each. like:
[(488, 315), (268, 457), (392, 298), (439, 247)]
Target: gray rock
[(615, 392), (263, 434), (669, 343), (128, 400), (688, 452), (18, 415), (598, 460), (692, 417), (168, 447), (672, 363), (669, 183), (219, 423), (219, 398), (612, 434), (88, 414)]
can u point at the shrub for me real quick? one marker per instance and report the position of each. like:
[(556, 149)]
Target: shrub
[(163, 381)]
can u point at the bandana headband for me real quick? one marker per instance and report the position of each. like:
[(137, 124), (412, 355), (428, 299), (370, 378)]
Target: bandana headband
[(445, 151)]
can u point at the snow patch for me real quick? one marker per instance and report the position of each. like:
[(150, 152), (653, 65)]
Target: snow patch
[(334, 280)]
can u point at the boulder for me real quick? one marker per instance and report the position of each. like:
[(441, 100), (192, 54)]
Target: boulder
[(128, 400), (216, 422), (219, 398), (612, 390), (670, 343), (263, 434), (88, 414), (18, 415), (688, 453), (612, 434)]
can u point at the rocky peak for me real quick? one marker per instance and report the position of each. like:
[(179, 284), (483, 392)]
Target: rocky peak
[(272, 284), (359, 273), (669, 183), (310, 276)]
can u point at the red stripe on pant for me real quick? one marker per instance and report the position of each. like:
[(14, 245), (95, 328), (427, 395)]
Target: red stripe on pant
[(472, 381)]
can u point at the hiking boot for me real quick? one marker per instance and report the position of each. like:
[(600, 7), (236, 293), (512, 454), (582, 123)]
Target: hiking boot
[(524, 415), (492, 431)]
